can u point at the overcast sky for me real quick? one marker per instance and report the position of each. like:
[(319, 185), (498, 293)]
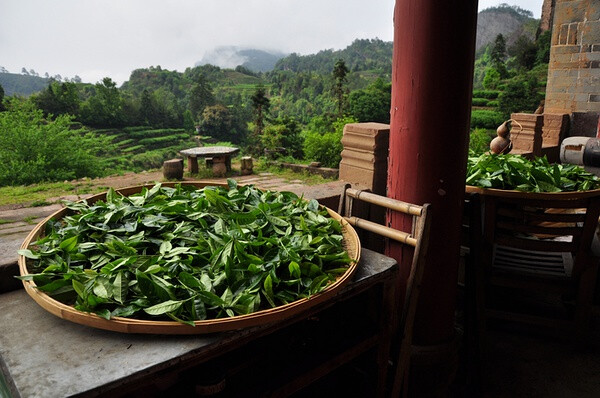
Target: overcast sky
[(98, 38)]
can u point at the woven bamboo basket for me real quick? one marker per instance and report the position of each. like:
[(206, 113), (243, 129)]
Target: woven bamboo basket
[(127, 325)]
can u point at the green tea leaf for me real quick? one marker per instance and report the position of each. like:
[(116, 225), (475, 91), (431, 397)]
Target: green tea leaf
[(164, 307)]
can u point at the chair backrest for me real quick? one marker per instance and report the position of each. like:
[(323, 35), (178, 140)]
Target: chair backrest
[(542, 223), (417, 238)]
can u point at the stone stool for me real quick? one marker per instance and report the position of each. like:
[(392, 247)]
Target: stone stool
[(247, 165), (173, 169)]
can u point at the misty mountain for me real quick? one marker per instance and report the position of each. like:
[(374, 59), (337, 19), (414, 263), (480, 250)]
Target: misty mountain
[(510, 21), (231, 56), (25, 85)]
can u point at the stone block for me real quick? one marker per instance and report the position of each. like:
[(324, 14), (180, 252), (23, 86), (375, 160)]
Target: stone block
[(555, 128), (573, 34), (570, 11), (584, 123), (593, 12), (590, 33), (566, 49), (563, 34), (364, 158), (529, 138)]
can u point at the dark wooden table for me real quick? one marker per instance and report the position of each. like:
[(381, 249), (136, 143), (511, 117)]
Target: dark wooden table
[(219, 155), (44, 356)]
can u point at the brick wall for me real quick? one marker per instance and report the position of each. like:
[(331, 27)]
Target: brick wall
[(574, 70)]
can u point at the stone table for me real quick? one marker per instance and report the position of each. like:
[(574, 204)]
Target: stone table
[(221, 158)]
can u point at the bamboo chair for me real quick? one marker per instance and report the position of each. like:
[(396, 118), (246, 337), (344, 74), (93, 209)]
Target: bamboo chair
[(417, 239), (538, 247)]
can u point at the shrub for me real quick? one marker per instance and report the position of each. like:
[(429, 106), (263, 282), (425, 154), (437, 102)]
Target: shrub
[(480, 102), (324, 143), (489, 94), (33, 149), (486, 119), (479, 141), (521, 95)]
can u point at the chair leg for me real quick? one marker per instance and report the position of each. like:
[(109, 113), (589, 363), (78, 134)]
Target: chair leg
[(585, 297)]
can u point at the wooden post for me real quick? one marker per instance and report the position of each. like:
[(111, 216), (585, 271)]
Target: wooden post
[(432, 77)]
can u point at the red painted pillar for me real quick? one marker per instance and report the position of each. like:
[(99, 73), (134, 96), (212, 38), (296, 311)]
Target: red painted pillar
[(431, 98)]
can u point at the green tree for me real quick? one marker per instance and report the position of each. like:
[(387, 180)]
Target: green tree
[(2, 107), (188, 121), (216, 122), (340, 71), (523, 52), (498, 56), (201, 96), (59, 98), (261, 105), (284, 133), (323, 140), (492, 79), (371, 104), (542, 55), (520, 95), (147, 109), (34, 149), (105, 107)]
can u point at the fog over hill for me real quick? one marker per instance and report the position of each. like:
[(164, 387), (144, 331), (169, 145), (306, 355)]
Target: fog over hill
[(232, 56)]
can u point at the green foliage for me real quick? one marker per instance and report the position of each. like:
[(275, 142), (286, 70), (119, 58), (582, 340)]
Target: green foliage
[(2, 107), (153, 159), (283, 133), (479, 141), (486, 119), (105, 107), (186, 255), (322, 140), (15, 84), (516, 172), (480, 102), (188, 122), (524, 52), (491, 79), (517, 11), (371, 104), (489, 94), (339, 90), (165, 139), (542, 55), (361, 55), (521, 94), (59, 99), (201, 96), (33, 149)]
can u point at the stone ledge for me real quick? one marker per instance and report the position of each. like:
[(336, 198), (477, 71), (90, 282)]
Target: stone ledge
[(323, 171)]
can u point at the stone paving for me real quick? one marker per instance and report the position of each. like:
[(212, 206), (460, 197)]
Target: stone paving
[(15, 224)]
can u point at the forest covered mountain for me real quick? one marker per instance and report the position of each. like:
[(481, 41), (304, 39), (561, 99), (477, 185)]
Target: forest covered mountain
[(370, 57), (301, 104), (14, 83)]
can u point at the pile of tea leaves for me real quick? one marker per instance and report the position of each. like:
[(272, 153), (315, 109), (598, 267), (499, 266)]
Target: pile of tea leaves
[(518, 173), (188, 254)]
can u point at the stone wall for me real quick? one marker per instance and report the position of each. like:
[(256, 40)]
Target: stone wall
[(574, 70), (547, 15)]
